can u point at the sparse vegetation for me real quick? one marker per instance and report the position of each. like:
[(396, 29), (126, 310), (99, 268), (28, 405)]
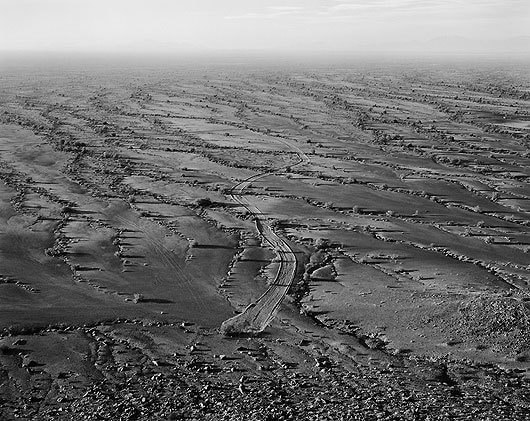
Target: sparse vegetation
[(399, 232), (322, 244), (204, 202)]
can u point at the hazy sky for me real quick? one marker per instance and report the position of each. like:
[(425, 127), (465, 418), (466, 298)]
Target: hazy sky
[(160, 25)]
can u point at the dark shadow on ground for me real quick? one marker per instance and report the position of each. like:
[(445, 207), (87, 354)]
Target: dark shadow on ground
[(157, 301)]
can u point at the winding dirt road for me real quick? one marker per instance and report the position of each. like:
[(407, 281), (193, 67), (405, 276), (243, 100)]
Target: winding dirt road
[(257, 316)]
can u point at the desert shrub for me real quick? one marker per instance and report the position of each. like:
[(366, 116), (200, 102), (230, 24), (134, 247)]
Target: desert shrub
[(53, 252), (367, 228), (203, 202), (322, 243), (68, 209)]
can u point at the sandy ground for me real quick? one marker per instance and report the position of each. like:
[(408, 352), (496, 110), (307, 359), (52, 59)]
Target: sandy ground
[(402, 191)]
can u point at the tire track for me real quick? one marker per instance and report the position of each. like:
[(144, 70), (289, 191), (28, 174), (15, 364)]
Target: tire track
[(167, 258), (257, 316)]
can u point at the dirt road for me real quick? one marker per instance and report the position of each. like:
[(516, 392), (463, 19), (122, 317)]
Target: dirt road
[(256, 317)]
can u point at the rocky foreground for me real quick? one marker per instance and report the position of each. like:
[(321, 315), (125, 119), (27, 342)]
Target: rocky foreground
[(140, 370)]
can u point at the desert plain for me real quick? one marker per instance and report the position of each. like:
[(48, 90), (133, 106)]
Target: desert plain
[(264, 240)]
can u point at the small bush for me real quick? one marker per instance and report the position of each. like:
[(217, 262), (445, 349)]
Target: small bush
[(203, 202), (322, 243)]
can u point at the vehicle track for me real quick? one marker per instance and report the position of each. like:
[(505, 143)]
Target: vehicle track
[(257, 316), (166, 257)]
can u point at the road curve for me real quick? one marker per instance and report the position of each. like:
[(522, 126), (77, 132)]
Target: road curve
[(257, 316)]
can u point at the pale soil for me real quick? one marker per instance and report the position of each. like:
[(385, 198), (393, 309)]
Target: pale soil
[(408, 216)]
